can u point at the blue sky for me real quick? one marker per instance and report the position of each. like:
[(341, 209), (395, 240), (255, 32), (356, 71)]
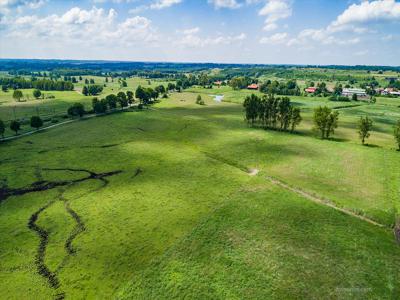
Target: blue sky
[(230, 31)]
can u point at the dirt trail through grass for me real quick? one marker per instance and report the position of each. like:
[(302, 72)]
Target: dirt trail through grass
[(321, 200)]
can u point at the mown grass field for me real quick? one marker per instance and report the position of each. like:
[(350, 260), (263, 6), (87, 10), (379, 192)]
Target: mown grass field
[(183, 218)]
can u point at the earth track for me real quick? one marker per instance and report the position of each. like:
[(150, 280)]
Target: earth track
[(322, 201)]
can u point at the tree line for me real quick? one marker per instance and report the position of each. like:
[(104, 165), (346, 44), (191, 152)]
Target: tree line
[(278, 113), (270, 112), (40, 84)]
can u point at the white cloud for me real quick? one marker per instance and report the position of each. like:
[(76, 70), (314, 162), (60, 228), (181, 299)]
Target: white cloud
[(191, 31), (270, 27), (379, 10), (275, 10), (95, 26), (232, 4), (277, 38), (160, 4), (192, 39), (322, 37), (7, 5)]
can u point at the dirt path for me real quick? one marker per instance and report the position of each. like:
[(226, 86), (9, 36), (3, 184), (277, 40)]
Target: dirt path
[(321, 201)]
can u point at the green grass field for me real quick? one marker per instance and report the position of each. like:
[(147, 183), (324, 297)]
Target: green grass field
[(182, 218), (56, 108)]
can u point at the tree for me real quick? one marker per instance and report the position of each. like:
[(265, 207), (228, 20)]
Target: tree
[(94, 90), (86, 81), (99, 107), (325, 121), (122, 99), (4, 88), (37, 93), (364, 127), (251, 104), (129, 95), (171, 87), (142, 95), (77, 109), (112, 101), (199, 100), (354, 97), (2, 128), (36, 122), (15, 126), (160, 89), (17, 95), (85, 90), (397, 134), (295, 118)]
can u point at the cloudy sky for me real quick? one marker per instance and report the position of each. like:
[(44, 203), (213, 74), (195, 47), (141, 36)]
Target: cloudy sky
[(231, 31)]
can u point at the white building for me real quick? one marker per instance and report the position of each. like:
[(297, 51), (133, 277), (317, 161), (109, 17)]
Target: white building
[(350, 92)]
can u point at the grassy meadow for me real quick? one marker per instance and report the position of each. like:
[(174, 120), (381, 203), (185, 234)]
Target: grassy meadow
[(55, 108), (180, 216)]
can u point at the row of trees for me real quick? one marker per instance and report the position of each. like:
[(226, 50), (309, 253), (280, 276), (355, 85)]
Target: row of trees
[(15, 125), (40, 84), (112, 101), (271, 113), (279, 114), (92, 90), (289, 88)]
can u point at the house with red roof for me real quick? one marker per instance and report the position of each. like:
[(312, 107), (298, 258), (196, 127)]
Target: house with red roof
[(310, 90), (253, 86)]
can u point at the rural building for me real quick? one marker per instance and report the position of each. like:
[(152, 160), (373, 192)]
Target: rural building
[(350, 92), (219, 83), (310, 90), (389, 91), (253, 86)]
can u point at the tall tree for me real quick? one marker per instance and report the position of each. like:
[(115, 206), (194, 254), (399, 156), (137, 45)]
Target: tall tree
[(325, 121), (15, 126), (85, 90), (77, 109), (17, 95), (364, 127), (122, 99), (129, 95), (112, 101), (36, 122), (37, 93), (295, 118)]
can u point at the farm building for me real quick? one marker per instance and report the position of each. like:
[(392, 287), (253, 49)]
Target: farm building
[(389, 91), (310, 90), (350, 92), (252, 86)]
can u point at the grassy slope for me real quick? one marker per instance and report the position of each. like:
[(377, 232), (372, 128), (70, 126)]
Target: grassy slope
[(193, 222)]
